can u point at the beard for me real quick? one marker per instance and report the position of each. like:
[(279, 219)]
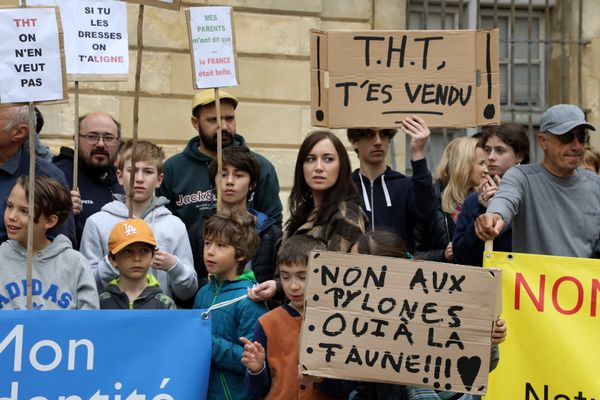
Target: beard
[(210, 141), (96, 167)]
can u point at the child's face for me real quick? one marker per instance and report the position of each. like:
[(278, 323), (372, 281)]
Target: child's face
[(16, 215), (147, 180), (134, 261), (220, 259), (293, 278), (235, 184)]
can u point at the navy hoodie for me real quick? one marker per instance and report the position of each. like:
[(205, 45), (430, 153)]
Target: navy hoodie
[(396, 202)]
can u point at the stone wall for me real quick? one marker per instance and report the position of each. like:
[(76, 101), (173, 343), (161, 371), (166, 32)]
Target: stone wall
[(273, 60)]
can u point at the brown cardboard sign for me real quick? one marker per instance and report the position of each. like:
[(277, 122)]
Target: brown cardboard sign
[(449, 78), (170, 4), (382, 319)]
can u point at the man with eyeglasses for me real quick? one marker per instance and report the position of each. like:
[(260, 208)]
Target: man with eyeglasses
[(99, 136), (391, 200), (554, 205), (14, 162)]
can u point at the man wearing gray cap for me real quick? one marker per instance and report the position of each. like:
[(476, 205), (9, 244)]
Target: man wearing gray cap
[(554, 205)]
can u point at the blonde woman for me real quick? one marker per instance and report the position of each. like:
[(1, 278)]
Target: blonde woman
[(460, 171)]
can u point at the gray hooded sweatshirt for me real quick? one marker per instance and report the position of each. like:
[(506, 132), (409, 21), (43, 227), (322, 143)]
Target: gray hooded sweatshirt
[(180, 281), (62, 278)]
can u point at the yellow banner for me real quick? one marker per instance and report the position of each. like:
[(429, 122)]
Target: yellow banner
[(552, 350)]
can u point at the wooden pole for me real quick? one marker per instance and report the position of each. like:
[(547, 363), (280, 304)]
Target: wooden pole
[(76, 140), (136, 109), (218, 177), (31, 202), (489, 246)]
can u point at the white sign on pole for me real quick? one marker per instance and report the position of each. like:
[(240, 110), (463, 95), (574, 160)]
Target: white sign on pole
[(213, 47), (31, 66), (96, 43)]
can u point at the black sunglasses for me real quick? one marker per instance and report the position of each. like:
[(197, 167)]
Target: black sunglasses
[(568, 137)]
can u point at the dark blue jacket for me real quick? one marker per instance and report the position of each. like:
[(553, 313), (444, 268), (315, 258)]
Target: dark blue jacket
[(19, 165), (467, 247), (396, 202), (95, 191)]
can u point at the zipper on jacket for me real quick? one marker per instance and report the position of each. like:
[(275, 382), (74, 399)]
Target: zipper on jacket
[(216, 294), (225, 387), (372, 208)]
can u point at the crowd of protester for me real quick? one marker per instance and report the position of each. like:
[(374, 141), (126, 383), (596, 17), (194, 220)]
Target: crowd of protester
[(178, 251)]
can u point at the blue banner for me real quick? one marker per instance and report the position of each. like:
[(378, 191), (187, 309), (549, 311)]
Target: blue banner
[(104, 355)]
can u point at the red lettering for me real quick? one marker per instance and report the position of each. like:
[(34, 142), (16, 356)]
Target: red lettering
[(594, 303), (579, 303), (539, 302)]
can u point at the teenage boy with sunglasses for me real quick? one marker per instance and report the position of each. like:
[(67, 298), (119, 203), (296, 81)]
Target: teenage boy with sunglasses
[(391, 200), (554, 205), (99, 137)]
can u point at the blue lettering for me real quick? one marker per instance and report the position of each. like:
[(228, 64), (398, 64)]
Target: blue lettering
[(52, 293), (3, 301), (13, 290), (65, 300), (36, 287)]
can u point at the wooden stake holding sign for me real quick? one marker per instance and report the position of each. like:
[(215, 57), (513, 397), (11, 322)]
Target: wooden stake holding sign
[(213, 54), (96, 47), (32, 69)]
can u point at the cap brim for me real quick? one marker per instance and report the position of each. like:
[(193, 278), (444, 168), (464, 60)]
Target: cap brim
[(126, 243), (567, 126)]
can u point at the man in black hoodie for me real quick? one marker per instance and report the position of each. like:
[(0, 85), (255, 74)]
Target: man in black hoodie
[(99, 136), (391, 200)]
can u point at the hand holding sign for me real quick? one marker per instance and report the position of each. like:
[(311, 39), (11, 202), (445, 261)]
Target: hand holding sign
[(419, 134)]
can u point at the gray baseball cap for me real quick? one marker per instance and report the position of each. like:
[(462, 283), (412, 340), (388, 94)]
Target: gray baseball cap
[(561, 118)]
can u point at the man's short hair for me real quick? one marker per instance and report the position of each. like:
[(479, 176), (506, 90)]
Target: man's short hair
[(144, 151), (296, 249), (117, 123), (18, 115), (240, 158), (50, 197), (355, 134), (236, 228)]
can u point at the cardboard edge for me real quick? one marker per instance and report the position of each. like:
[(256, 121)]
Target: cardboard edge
[(487, 103), (63, 58), (188, 20), (319, 100), (97, 77), (234, 44), (314, 254), (175, 6)]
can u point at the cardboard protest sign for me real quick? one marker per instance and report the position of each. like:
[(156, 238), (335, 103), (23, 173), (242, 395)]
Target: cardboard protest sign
[(170, 4), (96, 43), (212, 47), (551, 307), (32, 64), (398, 321), (376, 78), (104, 354)]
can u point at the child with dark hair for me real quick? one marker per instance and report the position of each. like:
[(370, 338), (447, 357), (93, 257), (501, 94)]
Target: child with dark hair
[(230, 240), (272, 358), (62, 278), (240, 175)]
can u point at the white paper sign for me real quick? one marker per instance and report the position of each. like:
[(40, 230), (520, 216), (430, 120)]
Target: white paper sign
[(95, 37), (213, 52), (30, 55)]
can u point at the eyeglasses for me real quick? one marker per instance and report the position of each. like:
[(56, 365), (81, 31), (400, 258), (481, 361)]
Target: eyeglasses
[(568, 137), (92, 138)]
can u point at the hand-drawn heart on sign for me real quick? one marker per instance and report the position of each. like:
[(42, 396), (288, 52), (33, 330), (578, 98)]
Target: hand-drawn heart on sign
[(468, 368)]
